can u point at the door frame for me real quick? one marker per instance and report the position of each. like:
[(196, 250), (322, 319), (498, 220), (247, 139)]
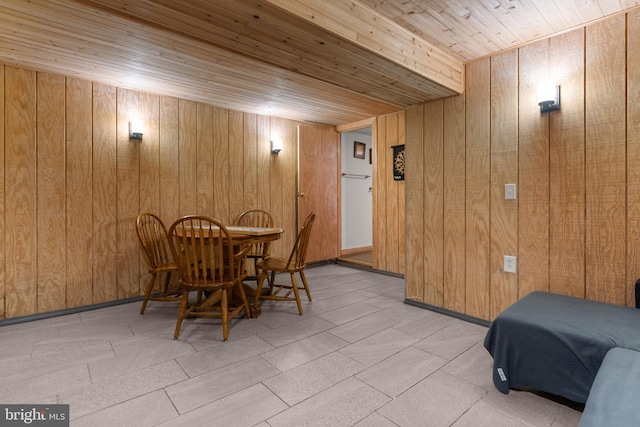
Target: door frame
[(350, 127)]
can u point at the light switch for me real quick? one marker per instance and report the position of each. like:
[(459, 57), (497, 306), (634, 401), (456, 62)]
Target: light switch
[(509, 191), (509, 264)]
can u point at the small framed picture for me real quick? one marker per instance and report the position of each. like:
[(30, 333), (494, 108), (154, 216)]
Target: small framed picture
[(359, 149)]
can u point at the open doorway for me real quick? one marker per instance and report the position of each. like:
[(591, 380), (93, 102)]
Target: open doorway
[(356, 196)]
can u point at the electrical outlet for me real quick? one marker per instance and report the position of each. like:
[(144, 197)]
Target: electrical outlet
[(509, 264)]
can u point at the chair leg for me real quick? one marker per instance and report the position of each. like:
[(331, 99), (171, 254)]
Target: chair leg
[(147, 292), (245, 303), (272, 282), (306, 285), (225, 315), (260, 281), (296, 292), (183, 308), (167, 279)]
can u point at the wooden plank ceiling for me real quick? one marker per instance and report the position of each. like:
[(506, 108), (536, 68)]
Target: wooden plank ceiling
[(326, 61)]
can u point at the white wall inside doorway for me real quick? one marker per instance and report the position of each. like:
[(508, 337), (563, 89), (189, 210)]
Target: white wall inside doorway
[(357, 197)]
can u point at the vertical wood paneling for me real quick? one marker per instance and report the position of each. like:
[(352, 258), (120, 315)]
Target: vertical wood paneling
[(105, 197), (433, 204), (567, 180), (388, 239), (128, 188), (3, 247), (533, 172), (79, 146), (391, 204), (414, 202), (276, 200), (148, 111), (478, 150), (454, 158), (288, 180), (71, 197), (384, 169), (401, 251), (605, 159), (21, 190), (250, 164), (169, 160), (204, 159), (504, 170), (263, 136), (188, 154), (221, 184), (236, 163), (633, 154), (51, 192)]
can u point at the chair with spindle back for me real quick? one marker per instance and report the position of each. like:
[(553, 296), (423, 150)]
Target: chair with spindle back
[(296, 263), (210, 263), (259, 251), (153, 238)]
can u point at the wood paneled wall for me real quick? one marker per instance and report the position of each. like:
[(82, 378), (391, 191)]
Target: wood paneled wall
[(73, 183), (388, 196), (574, 227)]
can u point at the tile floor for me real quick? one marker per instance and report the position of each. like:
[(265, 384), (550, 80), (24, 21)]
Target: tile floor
[(358, 356)]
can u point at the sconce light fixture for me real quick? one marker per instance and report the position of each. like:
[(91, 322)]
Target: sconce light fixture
[(135, 130), (276, 146), (548, 98)]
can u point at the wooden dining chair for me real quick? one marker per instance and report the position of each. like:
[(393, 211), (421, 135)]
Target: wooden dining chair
[(210, 263), (294, 264), (153, 238), (259, 251)]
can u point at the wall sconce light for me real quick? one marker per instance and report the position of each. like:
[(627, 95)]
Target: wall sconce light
[(548, 98), (135, 130), (276, 146)]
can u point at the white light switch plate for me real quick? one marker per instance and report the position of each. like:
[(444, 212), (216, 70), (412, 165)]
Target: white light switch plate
[(509, 264), (509, 191)]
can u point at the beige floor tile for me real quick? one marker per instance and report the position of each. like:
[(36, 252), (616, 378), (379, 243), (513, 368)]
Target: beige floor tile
[(378, 347), (343, 300), (400, 372), (43, 387), (296, 331), (300, 352), (474, 366), (302, 382), (453, 340), (211, 386), (364, 327), (527, 407), (344, 404), (349, 313), (245, 408), (222, 355), (375, 420), (481, 415), (357, 356), (144, 411), (439, 400), (137, 354), (424, 324), (91, 398)]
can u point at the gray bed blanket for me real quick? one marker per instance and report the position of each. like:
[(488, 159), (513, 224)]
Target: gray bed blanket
[(556, 343)]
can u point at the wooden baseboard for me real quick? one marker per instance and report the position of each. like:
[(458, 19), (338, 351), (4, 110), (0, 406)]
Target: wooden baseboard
[(356, 250)]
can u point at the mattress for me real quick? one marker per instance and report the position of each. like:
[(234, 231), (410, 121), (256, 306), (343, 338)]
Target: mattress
[(555, 343)]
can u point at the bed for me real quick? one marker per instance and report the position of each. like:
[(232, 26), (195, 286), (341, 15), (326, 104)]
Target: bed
[(555, 343)]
